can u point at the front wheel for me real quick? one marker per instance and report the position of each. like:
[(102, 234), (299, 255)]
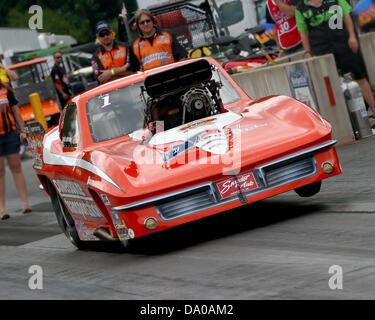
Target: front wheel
[(309, 190), (64, 218)]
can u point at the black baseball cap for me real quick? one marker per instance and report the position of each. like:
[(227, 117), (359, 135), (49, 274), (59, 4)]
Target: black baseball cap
[(102, 25)]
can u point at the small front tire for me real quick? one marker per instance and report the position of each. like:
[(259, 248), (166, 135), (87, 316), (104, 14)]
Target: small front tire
[(309, 190)]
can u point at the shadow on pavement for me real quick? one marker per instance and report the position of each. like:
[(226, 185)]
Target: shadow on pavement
[(244, 219)]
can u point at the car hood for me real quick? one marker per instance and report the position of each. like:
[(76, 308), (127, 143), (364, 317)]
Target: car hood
[(267, 129)]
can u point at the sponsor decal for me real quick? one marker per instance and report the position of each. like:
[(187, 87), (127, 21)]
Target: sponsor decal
[(72, 141), (299, 79), (105, 199), (232, 186), (242, 130), (34, 134), (302, 87), (67, 187), (214, 141), (197, 124), (90, 181), (178, 149), (131, 233), (119, 54), (122, 232), (120, 226), (156, 56), (38, 163), (162, 39), (85, 233), (140, 45), (84, 208)]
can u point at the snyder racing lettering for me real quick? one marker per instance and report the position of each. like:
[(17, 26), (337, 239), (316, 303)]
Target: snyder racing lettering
[(244, 182), (83, 208), (68, 187)]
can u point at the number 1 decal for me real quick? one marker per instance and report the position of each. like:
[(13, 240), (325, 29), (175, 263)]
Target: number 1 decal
[(106, 101)]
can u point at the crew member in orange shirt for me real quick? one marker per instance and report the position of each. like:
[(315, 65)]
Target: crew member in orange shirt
[(154, 47), (109, 60)]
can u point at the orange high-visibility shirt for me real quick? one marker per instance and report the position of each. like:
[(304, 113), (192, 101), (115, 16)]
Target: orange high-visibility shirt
[(154, 55), (7, 122)]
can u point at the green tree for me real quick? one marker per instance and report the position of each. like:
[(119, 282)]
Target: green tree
[(74, 17)]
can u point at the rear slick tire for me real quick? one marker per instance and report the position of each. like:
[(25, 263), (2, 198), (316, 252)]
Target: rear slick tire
[(64, 219), (309, 190)]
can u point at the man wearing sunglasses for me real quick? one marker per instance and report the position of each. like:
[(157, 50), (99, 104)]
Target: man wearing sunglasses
[(60, 80), (154, 47), (109, 60)]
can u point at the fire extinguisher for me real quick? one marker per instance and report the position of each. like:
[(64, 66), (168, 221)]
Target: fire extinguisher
[(356, 107)]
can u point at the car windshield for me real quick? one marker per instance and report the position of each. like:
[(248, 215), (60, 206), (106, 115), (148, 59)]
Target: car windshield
[(27, 75), (122, 111)]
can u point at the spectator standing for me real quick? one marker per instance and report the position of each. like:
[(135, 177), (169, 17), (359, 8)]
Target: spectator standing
[(319, 25), (287, 37), (110, 59), (154, 47), (60, 80), (6, 75), (10, 140)]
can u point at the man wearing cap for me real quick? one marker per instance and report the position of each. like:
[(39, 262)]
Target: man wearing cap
[(154, 47), (109, 60)]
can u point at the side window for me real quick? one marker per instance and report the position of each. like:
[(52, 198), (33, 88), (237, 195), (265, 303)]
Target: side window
[(69, 133), (231, 12)]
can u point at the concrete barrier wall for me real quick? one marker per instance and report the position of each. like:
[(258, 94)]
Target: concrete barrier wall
[(324, 91), (367, 44), (289, 58)]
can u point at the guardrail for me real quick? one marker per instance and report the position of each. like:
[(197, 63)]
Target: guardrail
[(314, 81)]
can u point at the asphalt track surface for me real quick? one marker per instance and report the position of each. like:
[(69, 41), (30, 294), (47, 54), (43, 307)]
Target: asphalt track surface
[(279, 248)]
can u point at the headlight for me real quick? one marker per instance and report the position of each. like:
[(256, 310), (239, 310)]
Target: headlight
[(327, 167), (151, 223)]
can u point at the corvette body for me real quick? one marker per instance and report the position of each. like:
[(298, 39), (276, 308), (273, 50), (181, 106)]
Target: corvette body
[(171, 145)]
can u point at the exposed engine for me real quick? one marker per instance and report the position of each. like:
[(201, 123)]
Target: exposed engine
[(197, 103), (182, 95)]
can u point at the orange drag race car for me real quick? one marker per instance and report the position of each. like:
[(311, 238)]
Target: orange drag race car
[(171, 145)]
